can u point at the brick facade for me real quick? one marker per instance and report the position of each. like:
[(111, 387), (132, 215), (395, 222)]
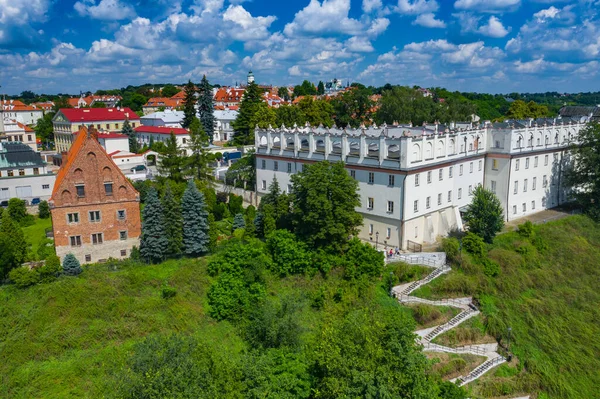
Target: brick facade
[(95, 209)]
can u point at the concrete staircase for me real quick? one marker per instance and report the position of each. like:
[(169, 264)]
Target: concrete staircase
[(480, 370), (455, 321), (416, 284)]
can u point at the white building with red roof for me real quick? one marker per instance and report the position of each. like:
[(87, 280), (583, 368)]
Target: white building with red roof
[(165, 103), (68, 121), (21, 112), (228, 96), (161, 134), (12, 130), (87, 101)]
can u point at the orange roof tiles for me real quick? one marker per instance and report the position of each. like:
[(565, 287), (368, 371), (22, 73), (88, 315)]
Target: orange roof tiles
[(229, 95), (71, 155), (164, 102)]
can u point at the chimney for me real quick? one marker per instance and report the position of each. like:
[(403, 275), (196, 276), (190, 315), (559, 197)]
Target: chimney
[(64, 156)]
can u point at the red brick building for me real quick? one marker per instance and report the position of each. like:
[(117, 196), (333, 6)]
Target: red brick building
[(95, 209)]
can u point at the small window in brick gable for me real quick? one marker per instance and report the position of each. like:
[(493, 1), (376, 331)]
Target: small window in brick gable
[(121, 214), (80, 190), (108, 189)]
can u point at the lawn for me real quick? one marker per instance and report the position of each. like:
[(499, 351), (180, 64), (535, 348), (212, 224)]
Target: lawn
[(35, 233)]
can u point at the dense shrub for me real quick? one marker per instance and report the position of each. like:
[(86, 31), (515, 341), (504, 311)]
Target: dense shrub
[(71, 266), (474, 244), (236, 256), (50, 270), (45, 248), (451, 246), (232, 296), (424, 314), (274, 324), (363, 260), (290, 256), (168, 292), (490, 268), (22, 277), (526, 229), (44, 210)]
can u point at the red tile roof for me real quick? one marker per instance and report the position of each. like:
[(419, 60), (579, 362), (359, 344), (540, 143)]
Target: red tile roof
[(64, 168), (25, 127), (229, 95), (16, 105), (75, 115), (164, 102), (180, 95), (161, 130)]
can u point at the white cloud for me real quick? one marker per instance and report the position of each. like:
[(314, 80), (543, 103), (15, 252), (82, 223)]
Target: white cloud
[(549, 13), (106, 10), (378, 26), (414, 7), (294, 71), (252, 28), (20, 12), (431, 46), (428, 20), (493, 28), (359, 44), (330, 16), (486, 5), (371, 5)]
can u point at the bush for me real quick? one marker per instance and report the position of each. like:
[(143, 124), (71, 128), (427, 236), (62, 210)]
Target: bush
[(490, 268), (474, 244), (424, 314), (44, 210), (526, 229), (290, 256), (363, 259), (22, 277), (168, 292), (45, 248), (71, 266), (51, 269), (451, 246), (231, 297), (273, 325), (16, 209)]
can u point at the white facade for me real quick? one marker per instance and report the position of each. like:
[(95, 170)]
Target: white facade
[(415, 181), (27, 187), (223, 124), (16, 131), (23, 173), (163, 118), (25, 116), (114, 142)]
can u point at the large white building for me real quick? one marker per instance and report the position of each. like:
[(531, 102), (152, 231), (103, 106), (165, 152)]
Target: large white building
[(415, 181)]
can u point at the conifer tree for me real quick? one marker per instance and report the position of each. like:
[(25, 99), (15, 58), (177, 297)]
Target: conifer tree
[(171, 159), (71, 266), (239, 222), (259, 224), (196, 239), (173, 223), (320, 88), (153, 243), (43, 210), (127, 130), (197, 164), (189, 104), (205, 108), (244, 124)]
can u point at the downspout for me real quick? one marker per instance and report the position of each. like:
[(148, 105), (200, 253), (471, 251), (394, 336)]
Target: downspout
[(403, 211), (508, 191)]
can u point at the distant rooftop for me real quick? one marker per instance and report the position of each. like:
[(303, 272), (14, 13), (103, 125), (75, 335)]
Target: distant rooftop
[(15, 155)]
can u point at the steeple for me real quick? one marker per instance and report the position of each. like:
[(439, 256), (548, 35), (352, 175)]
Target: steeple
[(250, 77)]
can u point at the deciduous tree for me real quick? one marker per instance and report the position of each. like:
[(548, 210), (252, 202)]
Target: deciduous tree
[(484, 215)]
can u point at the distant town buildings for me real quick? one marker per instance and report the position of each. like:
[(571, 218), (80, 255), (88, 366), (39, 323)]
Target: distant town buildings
[(163, 118), (223, 125), (156, 104), (17, 110), (88, 101), (95, 209), (12, 130)]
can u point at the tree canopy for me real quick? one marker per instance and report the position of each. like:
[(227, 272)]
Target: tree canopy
[(484, 215), (189, 104), (246, 121)]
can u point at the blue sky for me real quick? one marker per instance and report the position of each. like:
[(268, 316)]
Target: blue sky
[(495, 46)]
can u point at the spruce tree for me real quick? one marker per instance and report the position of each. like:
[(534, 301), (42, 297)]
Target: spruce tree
[(320, 88), (71, 266), (243, 125), (173, 223), (127, 130), (197, 164), (171, 159), (189, 104), (259, 224), (196, 239), (153, 243), (239, 222), (205, 108)]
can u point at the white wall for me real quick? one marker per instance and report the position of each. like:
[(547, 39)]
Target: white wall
[(41, 186)]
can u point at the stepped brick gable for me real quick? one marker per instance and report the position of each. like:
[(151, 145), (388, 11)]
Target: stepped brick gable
[(95, 209)]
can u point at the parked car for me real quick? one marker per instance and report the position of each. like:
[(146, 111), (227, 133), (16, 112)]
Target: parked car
[(4, 204), (35, 201), (138, 168)]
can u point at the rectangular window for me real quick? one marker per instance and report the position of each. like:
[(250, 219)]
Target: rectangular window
[(36, 171), (470, 167), (416, 206), (108, 189), (450, 172), (121, 214), (535, 162), (533, 184), (107, 126), (80, 191), (517, 164), (470, 190), (275, 165), (516, 187), (532, 205), (264, 184), (527, 163), (480, 165), (88, 258), (94, 216), (525, 185), (440, 199), (45, 186), (545, 181), (371, 177), (391, 180), (545, 160), (73, 217), (390, 207), (289, 167), (123, 252), (428, 177), (370, 229), (459, 193), (388, 232), (116, 126), (417, 180), (450, 196), (544, 202), (460, 170), (97, 238), (370, 203), (123, 235), (263, 164), (75, 241), (524, 207), (353, 174), (555, 157), (494, 164), (428, 203), (514, 209), (21, 172), (441, 174), (493, 183), (11, 173), (29, 137)]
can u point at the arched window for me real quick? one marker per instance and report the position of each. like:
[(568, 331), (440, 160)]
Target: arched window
[(394, 151), (416, 152), (428, 150), (440, 148)]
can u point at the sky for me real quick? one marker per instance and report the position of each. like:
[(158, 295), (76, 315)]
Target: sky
[(494, 46)]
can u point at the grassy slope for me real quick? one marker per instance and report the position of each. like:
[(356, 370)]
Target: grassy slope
[(36, 232)]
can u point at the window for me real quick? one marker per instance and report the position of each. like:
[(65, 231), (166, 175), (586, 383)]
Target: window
[(263, 164), (391, 180), (45, 186), (527, 163), (493, 183), (116, 126), (388, 232), (94, 216), (516, 187), (80, 190), (544, 202), (75, 241), (121, 214), (370, 229), (353, 174), (371, 177), (450, 196), (459, 193), (441, 174), (73, 217), (107, 126), (517, 164), (428, 203), (370, 203), (545, 181), (108, 189), (416, 206), (275, 165), (428, 177), (390, 207), (36, 171), (417, 180), (480, 165), (88, 258), (460, 170), (532, 205), (123, 252), (534, 183), (525, 185), (470, 167), (524, 207), (289, 188), (555, 157), (289, 167), (21, 172), (123, 235), (535, 162), (470, 189), (440, 199), (514, 209), (450, 172), (29, 137), (264, 184), (97, 238), (545, 160), (494, 164), (10, 173)]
